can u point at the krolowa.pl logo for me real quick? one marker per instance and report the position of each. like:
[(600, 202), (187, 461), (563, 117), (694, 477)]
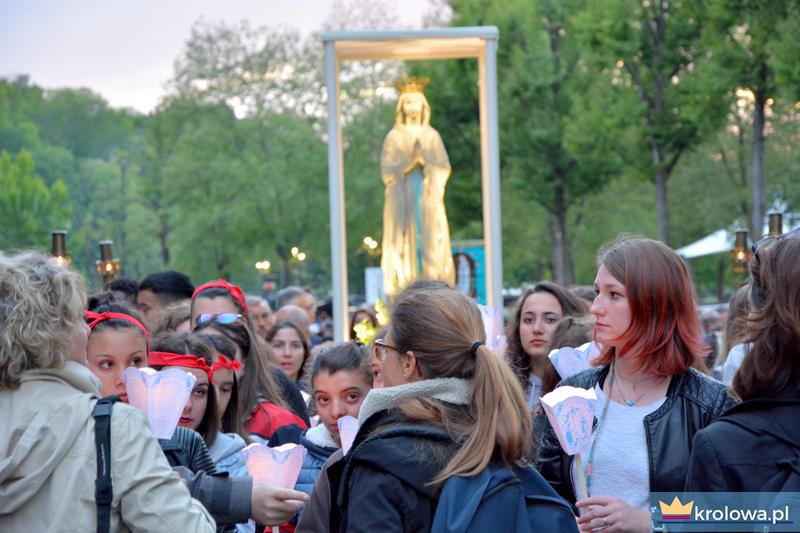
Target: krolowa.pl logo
[(725, 511), (676, 510), (749, 516)]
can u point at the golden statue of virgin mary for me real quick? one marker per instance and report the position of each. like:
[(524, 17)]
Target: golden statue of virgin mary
[(414, 169)]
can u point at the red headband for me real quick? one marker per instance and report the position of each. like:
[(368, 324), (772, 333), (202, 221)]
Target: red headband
[(235, 292), (174, 359), (224, 362), (96, 318)]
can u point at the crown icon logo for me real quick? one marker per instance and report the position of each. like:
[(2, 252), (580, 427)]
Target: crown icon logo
[(676, 510), (412, 84)]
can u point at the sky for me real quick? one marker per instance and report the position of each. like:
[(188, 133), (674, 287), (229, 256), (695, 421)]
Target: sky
[(124, 50)]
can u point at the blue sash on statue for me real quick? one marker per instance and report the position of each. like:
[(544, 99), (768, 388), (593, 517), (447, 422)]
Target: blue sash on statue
[(418, 177)]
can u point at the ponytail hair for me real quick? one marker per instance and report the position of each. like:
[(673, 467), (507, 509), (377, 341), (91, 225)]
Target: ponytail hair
[(441, 327)]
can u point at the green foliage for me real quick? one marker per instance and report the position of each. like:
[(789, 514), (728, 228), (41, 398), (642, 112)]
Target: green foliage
[(29, 209), (231, 167)]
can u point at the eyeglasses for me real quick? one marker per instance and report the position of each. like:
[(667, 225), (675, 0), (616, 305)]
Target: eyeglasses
[(765, 242), (220, 318), (379, 348)]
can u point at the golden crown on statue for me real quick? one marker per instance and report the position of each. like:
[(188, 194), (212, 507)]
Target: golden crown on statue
[(412, 84)]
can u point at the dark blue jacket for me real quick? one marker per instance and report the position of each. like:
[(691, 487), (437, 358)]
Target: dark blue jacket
[(502, 499), (313, 440)]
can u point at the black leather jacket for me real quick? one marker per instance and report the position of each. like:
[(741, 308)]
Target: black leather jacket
[(693, 401)]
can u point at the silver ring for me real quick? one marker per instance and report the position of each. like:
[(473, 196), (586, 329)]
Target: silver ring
[(605, 522)]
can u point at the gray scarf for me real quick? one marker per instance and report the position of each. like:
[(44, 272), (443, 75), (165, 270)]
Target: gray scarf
[(451, 390)]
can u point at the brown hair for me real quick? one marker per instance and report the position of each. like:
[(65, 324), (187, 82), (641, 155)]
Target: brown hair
[(172, 316), (257, 383), (286, 324), (573, 332), (200, 346), (231, 420), (439, 325), (664, 333), (773, 361), (348, 356), (735, 322), (371, 318), (520, 361)]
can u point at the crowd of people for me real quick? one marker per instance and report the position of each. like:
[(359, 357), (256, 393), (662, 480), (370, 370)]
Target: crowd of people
[(451, 436)]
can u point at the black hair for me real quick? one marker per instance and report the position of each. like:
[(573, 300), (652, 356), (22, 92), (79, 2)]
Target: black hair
[(126, 288), (168, 285), (343, 356)]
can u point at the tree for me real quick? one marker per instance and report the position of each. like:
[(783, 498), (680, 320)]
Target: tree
[(29, 209), (744, 34), (546, 156), (652, 50)]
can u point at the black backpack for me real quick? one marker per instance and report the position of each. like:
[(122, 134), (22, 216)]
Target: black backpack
[(103, 491)]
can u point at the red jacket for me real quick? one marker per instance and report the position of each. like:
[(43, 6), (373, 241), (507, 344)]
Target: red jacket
[(275, 424)]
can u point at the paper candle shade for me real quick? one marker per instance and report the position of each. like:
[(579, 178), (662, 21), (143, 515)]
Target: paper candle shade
[(570, 411), (160, 395), (277, 467), (348, 428), (493, 325), (570, 361)]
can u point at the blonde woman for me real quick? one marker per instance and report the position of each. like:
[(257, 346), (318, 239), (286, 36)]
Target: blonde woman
[(47, 395)]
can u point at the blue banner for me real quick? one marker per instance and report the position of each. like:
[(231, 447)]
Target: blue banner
[(725, 511)]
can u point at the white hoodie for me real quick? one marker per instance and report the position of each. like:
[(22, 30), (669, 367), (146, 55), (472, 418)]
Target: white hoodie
[(48, 462)]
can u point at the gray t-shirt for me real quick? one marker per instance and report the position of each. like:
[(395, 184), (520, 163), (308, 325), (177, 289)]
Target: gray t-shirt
[(620, 460)]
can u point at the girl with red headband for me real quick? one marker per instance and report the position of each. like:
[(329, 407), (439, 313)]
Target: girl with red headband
[(118, 340), (218, 300), (260, 401), (195, 355), (222, 303)]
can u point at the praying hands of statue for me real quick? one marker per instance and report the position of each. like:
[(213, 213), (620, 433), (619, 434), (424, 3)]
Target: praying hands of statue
[(418, 158)]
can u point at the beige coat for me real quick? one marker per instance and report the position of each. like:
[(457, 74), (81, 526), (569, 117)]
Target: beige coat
[(48, 462)]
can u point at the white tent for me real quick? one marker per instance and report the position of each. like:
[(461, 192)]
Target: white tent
[(722, 240), (718, 242)]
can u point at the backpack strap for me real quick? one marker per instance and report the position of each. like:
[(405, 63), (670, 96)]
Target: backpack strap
[(103, 491)]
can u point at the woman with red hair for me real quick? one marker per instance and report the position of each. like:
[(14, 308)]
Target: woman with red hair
[(651, 400)]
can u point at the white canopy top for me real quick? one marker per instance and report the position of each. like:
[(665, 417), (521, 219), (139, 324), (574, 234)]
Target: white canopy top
[(718, 242), (441, 43)]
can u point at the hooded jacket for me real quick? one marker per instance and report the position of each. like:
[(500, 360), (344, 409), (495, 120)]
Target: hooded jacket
[(48, 462), (226, 452), (319, 445), (384, 481)]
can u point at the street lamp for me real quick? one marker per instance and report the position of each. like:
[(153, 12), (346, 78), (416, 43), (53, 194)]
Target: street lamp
[(370, 245), (741, 253), (263, 266), (58, 251), (775, 225), (298, 256), (108, 267)]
